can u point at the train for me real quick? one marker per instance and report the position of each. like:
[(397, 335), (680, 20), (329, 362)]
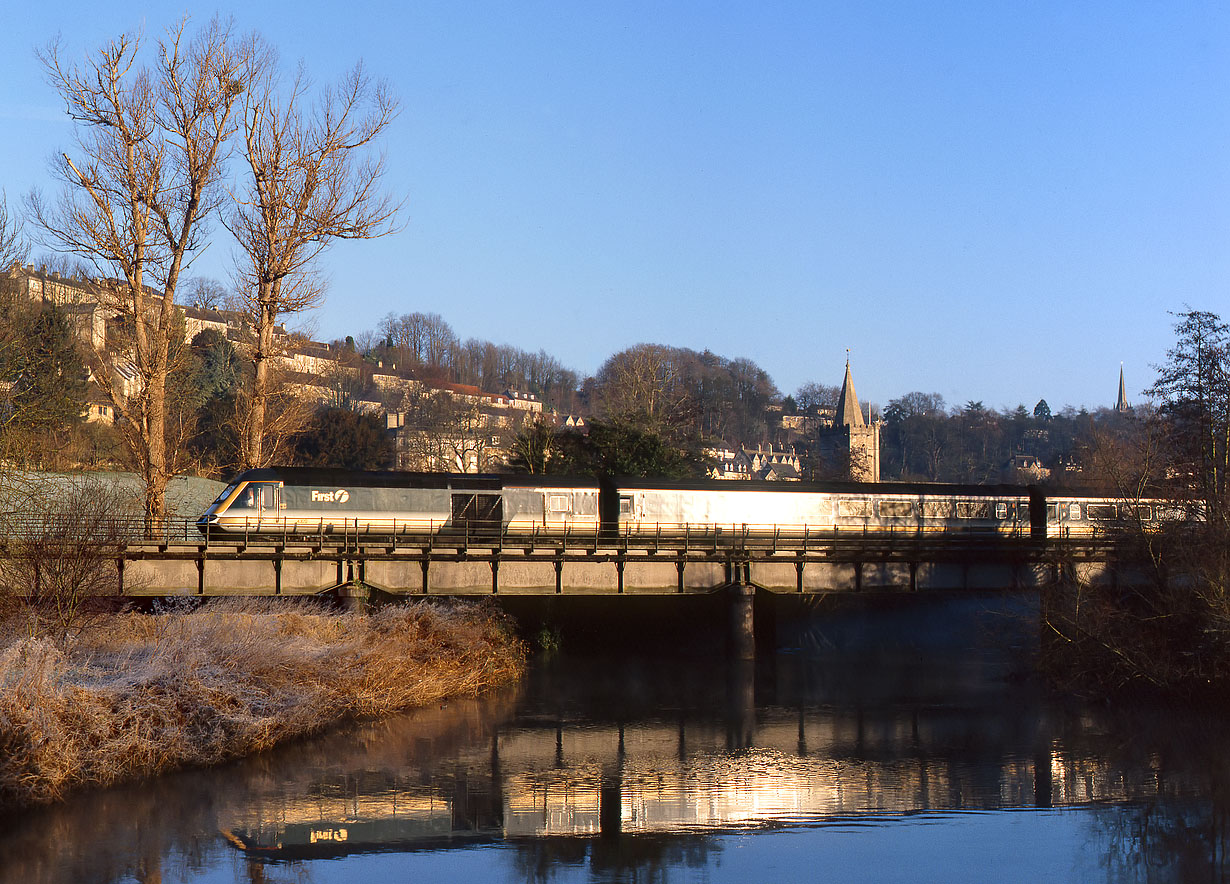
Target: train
[(312, 501)]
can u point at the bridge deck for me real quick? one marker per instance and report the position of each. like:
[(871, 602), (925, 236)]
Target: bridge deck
[(664, 562)]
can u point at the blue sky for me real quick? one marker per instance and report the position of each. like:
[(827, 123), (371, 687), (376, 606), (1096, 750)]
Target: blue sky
[(993, 201)]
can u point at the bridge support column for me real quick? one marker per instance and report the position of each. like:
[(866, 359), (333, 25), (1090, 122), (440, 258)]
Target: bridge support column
[(354, 597), (913, 576), (742, 621), (425, 564)]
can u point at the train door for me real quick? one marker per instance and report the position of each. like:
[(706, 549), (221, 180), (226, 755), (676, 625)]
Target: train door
[(483, 512), (259, 499)]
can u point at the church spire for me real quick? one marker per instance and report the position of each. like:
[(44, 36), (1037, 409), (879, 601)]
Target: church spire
[(1121, 405), (848, 412)]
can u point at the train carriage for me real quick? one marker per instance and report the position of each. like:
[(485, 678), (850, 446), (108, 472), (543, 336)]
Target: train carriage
[(649, 505), (280, 501), (302, 500)]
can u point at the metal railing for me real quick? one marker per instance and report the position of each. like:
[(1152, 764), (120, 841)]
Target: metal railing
[(431, 533)]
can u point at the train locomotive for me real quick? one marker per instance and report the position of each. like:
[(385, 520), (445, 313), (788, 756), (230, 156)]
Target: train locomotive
[(310, 501)]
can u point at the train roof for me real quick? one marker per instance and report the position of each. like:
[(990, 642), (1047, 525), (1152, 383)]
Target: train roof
[(404, 479)]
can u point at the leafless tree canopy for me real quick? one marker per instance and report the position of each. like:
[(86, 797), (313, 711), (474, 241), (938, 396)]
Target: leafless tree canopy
[(451, 433), (13, 248), (645, 382), (312, 179), (206, 293), (143, 177)]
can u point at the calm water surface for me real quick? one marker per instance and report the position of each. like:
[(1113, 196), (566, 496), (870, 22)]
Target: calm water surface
[(809, 766)]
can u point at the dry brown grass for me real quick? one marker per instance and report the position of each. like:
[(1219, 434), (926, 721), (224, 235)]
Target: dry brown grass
[(146, 693)]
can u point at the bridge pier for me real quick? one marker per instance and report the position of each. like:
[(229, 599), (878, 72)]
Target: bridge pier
[(742, 621)]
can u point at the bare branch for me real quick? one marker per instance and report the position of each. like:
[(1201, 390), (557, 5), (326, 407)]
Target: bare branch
[(312, 181)]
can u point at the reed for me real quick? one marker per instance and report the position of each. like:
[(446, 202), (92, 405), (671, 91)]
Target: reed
[(140, 694)]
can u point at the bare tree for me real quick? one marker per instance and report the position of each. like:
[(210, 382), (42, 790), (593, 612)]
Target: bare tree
[(207, 293), (150, 146), (452, 433), (59, 556), (812, 396), (644, 384), (13, 248), (312, 180)]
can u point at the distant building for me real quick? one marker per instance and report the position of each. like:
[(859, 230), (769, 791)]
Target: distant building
[(1024, 469), (1121, 405), (851, 446), (760, 462)]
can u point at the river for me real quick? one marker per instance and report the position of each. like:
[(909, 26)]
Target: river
[(846, 755)]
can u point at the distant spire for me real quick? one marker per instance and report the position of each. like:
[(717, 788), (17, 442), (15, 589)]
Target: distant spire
[(1121, 405), (848, 412)]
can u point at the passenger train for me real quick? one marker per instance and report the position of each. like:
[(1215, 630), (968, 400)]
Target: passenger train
[(304, 501)]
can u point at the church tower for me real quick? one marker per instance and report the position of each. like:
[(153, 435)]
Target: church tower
[(851, 440), (1121, 404)]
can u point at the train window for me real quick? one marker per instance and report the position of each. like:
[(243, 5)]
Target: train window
[(939, 509), (973, 509), (1074, 511), (625, 506), (896, 509), (1143, 513), (586, 504), (858, 509), (1001, 510), (1100, 511), (558, 503), (247, 498)]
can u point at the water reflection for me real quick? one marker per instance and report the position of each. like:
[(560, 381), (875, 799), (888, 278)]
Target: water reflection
[(595, 768)]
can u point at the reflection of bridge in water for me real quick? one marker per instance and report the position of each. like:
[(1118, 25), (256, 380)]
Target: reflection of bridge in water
[(778, 767)]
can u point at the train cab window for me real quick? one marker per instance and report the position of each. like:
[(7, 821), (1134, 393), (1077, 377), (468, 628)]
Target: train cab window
[(1074, 511), (249, 498), (1001, 510), (257, 497)]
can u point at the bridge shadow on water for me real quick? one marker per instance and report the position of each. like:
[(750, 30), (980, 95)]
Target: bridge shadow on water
[(992, 624)]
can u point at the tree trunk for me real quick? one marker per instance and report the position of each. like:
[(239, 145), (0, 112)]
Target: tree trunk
[(266, 318)]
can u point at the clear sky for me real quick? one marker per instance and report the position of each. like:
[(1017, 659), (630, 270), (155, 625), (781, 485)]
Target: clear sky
[(992, 201)]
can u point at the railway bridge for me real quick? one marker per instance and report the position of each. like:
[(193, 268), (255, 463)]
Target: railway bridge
[(358, 567)]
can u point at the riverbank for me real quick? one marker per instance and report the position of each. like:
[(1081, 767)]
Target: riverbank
[(138, 694)]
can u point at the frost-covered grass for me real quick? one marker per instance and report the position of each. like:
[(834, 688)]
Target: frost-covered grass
[(139, 694)]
